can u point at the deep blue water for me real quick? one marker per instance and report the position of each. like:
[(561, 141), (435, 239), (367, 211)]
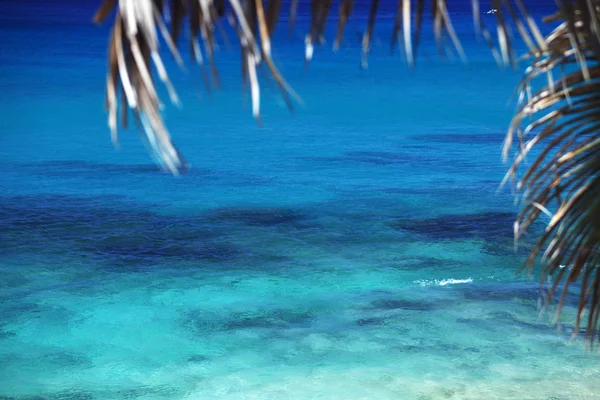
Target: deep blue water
[(357, 249)]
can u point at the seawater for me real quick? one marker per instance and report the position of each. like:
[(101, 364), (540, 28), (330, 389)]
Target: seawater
[(358, 248)]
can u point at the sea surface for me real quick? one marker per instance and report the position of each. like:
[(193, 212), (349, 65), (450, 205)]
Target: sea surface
[(357, 248)]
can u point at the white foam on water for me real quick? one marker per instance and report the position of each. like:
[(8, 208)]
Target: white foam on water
[(443, 282)]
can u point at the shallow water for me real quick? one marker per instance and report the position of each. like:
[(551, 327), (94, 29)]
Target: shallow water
[(358, 249)]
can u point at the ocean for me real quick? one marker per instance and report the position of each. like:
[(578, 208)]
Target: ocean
[(357, 248)]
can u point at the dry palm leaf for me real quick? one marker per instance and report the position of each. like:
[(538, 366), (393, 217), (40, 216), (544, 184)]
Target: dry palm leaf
[(133, 47), (140, 24), (563, 181)]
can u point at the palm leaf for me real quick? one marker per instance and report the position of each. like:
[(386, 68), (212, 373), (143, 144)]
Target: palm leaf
[(564, 123), (558, 125), (140, 24)]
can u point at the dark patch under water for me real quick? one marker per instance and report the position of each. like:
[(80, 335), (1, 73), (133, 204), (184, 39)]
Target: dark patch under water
[(479, 323), (78, 167), (422, 263), (117, 232), (501, 321), (199, 322), (72, 395), (105, 228), (372, 321), (198, 358), (383, 157), (402, 304), (5, 334), (124, 250), (508, 318), (500, 293), (260, 217), (529, 293), (461, 138), (142, 392), (386, 158), (402, 158), (14, 279), (486, 225), (13, 309), (281, 318), (92, 171), (82, 170), (502, 247), (67, 360)]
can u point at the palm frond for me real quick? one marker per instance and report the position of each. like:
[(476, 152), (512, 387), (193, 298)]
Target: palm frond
[(564, 124), (140, 25), (133, 47)]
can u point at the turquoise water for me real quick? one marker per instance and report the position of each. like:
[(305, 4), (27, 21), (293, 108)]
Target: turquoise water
[(358, 249)]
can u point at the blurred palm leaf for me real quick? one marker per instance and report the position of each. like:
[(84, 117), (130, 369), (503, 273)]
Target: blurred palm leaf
[(564, 115), (563, 181)]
